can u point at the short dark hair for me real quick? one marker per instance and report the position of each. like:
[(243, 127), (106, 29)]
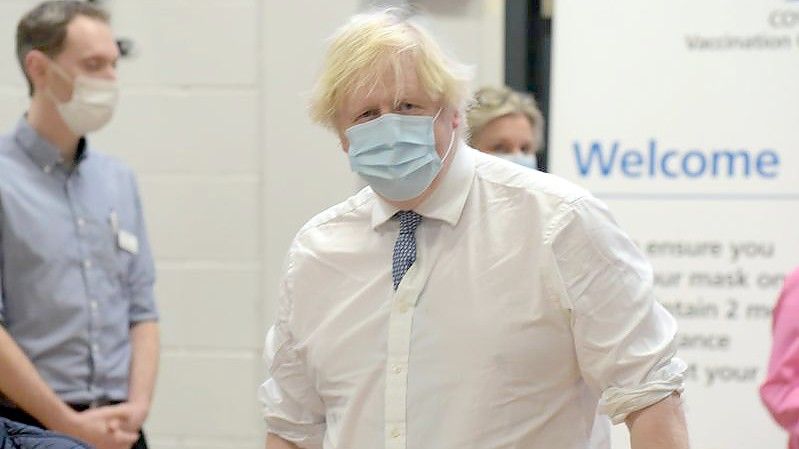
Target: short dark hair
[(44, 28)]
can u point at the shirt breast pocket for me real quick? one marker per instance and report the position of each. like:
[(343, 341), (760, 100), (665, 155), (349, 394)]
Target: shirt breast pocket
[(126, 247), (116, 249)]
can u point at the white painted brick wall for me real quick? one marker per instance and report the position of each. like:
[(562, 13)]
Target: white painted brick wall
[(214, 120), (199, 131)]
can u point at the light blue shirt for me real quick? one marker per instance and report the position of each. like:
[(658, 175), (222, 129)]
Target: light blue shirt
[(76, 270)]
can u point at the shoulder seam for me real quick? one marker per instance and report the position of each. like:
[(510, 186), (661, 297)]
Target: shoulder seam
[(316, 221), (558, 220)]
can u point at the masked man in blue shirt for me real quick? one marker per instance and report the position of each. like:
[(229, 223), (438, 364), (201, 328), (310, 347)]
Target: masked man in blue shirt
[(78, 323)]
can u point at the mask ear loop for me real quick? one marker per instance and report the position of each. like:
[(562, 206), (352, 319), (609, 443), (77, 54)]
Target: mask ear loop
[(451, 139), (449, 149), (64, 76), (61, 72)]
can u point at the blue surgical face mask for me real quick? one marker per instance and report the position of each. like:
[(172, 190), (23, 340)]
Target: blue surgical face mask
[(524, 159), (396, 154)]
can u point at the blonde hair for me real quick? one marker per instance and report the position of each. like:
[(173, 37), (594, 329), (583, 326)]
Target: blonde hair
[(491, 103), (370, 44)]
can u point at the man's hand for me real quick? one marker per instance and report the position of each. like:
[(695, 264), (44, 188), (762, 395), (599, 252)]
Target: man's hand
[(101, 428), (131, 415)]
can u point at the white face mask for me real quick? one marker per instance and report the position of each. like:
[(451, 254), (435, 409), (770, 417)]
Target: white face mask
[(396, 154), (525, 159), (92, 104)]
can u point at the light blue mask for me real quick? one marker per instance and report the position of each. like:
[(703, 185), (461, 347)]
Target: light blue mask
[(525, 159), (396, 154)]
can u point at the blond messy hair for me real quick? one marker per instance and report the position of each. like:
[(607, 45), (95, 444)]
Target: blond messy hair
[(371, 44), (490, 103)]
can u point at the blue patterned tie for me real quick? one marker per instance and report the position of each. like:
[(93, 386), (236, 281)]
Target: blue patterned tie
[(405, 247)]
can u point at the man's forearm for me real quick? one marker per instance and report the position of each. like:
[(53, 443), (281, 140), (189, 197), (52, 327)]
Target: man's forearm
[(20, 382), (275, 442), (144, 341), (659, 426)]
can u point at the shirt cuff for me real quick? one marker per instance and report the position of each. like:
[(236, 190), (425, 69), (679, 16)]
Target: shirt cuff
[(307, 435), (142, 308), (665, 379)]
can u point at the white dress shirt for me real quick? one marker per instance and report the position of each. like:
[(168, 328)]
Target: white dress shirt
[(526, 307)]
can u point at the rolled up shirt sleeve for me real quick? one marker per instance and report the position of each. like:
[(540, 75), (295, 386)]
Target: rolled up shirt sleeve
[(292, 408), (780, 390), (141, 272), (624, 339)]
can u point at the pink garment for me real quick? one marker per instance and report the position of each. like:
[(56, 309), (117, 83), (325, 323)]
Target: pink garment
[(780, 391)]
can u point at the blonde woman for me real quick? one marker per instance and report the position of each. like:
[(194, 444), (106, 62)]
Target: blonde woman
[(506, 124)]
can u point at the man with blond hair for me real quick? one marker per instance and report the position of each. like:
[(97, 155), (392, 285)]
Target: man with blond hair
[(458, 301), (78, 322)]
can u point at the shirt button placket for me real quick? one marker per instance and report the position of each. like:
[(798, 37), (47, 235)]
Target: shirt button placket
[(400, 323), (79, 214)]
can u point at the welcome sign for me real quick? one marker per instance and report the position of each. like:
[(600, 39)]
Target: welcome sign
[(653, 161), (683, 116)]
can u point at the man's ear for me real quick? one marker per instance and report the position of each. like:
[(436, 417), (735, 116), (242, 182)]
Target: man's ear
[(36, 67), (345, 143), (456, 119)]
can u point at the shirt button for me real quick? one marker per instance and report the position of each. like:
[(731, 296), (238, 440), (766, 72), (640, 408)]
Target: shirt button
[(395, 433), (94, 306), (397, 369), (47, 168), (403, 307), (95, 347), (87, 264), (81, 222)]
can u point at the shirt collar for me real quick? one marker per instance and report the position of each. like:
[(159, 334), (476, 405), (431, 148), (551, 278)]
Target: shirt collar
[(447, 201), (40, 150)]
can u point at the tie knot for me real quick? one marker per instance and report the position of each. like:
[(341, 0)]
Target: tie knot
[(409, 220)]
